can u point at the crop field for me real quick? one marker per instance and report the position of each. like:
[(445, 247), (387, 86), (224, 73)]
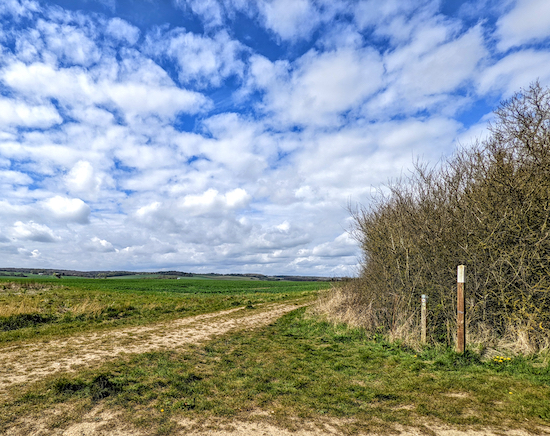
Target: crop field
[(151, 356)]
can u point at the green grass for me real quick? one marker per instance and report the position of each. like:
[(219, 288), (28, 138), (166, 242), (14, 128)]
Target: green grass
[(45, 308), (305, 368)]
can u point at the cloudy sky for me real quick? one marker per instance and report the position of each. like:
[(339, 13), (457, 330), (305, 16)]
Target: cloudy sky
[(230, 135)]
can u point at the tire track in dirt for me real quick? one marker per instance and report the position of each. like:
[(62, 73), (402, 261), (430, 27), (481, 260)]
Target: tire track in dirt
[(27, 363)]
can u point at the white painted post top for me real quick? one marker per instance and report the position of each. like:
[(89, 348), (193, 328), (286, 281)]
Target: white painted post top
[(460, 274)]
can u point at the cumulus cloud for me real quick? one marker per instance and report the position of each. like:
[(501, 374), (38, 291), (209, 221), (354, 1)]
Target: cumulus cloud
[(201, 59), (14, 178), (68, 209), (289, 19), (18, 113), (19, 8), (212, 201), (342, 245), (444, 68), (74, 86), (527, 22), (33, 232), (68, 43), (396, 20), (83, 179), (122, 30), (136, 99), (210, 11), (515, 71), (41, 80), (320, 87), (101, 245)]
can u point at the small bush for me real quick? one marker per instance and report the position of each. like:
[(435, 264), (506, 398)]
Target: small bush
[(23, 320)]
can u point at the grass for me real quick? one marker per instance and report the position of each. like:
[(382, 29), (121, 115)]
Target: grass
[(305, 368), (46, 308)]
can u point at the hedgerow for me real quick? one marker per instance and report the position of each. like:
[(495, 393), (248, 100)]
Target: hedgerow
[(486, 207)]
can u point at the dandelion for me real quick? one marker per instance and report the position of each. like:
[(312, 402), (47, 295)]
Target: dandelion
[(162, 410), (510, 393)]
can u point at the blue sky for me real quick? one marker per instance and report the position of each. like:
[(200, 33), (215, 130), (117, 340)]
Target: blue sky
[(231, 135)]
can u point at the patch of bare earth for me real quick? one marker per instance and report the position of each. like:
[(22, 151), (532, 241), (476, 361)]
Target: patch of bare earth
[(101, 422), (27, 363)]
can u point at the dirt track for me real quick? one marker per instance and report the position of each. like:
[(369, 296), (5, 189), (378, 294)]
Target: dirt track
[(31, 362)]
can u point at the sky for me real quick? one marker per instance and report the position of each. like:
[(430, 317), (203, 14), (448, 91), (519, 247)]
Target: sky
[(231, 136)]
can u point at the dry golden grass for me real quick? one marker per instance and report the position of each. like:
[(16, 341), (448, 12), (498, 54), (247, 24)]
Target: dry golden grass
[(347, 303), (24, 306), (344, 304), (25, 287)]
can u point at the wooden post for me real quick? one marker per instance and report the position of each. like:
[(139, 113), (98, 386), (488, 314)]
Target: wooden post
[(460, 300), (423, 318)]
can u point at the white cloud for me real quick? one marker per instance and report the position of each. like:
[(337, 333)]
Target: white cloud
[(354, 161), (29, 46), (41, 80), (200, 59), (210, 11), (136, 99), (83, 179), (341, 35), (19, 8), (527, 22), (68, 209), (122, 30), (101, 245), (33, 232), (212, 201), (396, 20), (515, 71), (343, 245), (20, 114), (237, 145), (233, 149), (14, 178), (289, 19), (444, 68), (321, 87), (69, 43), (74, 86), (426, 74), (285, 226)]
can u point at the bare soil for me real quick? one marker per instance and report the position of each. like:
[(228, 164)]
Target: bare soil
[(29, 362)]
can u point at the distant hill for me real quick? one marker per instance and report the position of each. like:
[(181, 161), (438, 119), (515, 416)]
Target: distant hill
[(33, 272)]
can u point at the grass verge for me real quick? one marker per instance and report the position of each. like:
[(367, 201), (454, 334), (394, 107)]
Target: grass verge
[(301, 368)]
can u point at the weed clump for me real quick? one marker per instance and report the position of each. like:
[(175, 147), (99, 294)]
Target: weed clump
[(487, 207)]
